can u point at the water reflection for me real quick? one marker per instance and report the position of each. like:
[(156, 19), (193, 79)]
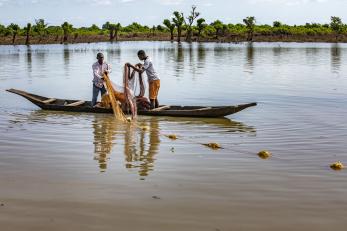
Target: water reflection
[(249, 58), (140, 145), (179, 60), (201, 56), (335, 53), (29, 60), (140, 153), (66, 57), (104, 135)]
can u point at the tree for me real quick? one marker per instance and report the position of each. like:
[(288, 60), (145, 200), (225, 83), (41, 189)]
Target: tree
[(67, 29), (117, 28), (250, 24), (170, 26), (40, 27), (178, 20), (27, 33), (337, 26), (201, 25), (218, 26), (191, 18), (13, 29), (113, 30), (277, 24), (2, 30)]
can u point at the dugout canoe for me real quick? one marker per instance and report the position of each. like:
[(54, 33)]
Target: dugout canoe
[(177, 111)]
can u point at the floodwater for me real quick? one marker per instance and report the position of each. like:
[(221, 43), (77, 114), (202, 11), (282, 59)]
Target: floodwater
[(71, 171)]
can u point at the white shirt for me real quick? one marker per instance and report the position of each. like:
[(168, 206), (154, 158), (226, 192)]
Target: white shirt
[(150, 72), (98, 72)]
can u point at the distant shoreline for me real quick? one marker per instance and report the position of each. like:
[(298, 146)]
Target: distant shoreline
[(20, 40)]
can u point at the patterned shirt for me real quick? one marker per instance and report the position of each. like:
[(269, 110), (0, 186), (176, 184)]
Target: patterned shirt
[(150, 72), (98, 72)]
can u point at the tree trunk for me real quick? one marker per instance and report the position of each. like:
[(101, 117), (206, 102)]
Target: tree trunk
[(189, 35), (14, 38), (65, 37), (116, 35), (172, 35), (179, 34), (111, 35), (27, 40)]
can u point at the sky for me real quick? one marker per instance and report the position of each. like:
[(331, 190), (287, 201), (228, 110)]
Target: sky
[(153, 12)]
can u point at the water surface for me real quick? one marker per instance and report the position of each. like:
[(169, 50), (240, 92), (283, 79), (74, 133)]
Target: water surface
[(77, 171)]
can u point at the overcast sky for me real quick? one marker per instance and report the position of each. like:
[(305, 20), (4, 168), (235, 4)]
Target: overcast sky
[(152, 12)]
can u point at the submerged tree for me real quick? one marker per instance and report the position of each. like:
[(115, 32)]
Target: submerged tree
[(191, 18), (40, 27), (117, 28), (13, 29), (67, 29), (250, 24), (27, 33), (113, 30), (178, 20), (218, 26), (171, 28), (337, 26), (201, 25)]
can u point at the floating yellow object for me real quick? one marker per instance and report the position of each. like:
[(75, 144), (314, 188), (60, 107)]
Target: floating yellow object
[(337, 166), (145, 128), (172, 137), (264, 154), (213, 145), (129, 119)]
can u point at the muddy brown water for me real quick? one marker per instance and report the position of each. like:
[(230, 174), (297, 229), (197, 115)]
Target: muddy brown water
[(72, 171)]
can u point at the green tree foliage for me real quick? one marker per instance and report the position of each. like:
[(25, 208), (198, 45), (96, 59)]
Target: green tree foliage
[(178, 20), (171, 27), (218, 28), (201, 25), (40, 27), (67, 29), (337, 26), (3, 30), (191, 18), (250, 24), (277, 24), (13, 30)]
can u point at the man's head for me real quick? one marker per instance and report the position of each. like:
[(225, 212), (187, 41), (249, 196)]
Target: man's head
[(141, 54), (100, 58)]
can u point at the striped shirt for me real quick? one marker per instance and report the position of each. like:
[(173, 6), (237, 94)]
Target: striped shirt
[(98, 72)]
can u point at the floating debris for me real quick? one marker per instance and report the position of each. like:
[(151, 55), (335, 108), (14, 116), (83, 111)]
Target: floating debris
[(156, 197), (172, 137), (172, 149), (144, 128), (129, 119), (264, 154), (337, 166), (213, 145)]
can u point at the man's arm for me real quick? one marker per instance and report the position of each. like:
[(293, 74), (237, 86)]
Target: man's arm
[(108, 69), (140, 70)]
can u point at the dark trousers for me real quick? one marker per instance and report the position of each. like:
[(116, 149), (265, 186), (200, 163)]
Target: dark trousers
[(96, 93)]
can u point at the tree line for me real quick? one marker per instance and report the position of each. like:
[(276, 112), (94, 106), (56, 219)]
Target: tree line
[(179, 27)]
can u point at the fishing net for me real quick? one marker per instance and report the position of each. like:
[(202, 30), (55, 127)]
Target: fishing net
[(127, 97), (117, 111)]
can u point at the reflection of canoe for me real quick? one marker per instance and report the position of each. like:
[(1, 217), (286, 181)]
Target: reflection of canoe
[(84, 106)]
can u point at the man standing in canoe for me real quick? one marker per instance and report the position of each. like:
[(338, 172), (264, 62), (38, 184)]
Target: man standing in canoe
[(99, 69), (153, 78)]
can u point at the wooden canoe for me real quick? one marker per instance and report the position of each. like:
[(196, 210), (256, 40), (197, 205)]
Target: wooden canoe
[(85, 106)]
